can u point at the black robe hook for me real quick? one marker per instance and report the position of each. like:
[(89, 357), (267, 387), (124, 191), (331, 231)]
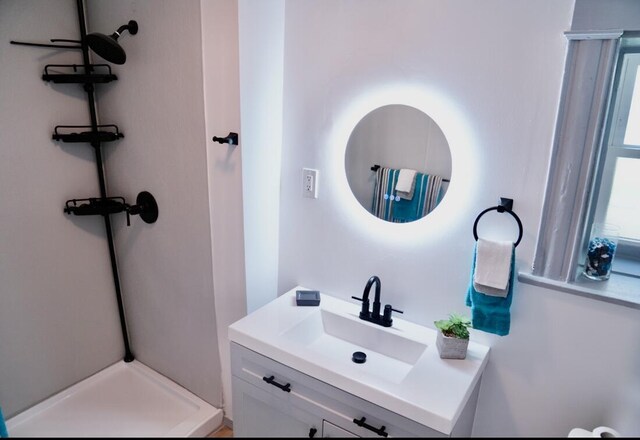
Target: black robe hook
[(231, 139)]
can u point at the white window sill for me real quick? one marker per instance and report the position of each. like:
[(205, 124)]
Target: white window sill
[(618, 289)]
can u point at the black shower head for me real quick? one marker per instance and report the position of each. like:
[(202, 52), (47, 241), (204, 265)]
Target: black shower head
[(107, 45)]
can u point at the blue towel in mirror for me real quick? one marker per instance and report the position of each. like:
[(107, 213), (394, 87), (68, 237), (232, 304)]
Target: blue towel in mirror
[(388, 206), (3, 427), (491, 313), (426, 196)]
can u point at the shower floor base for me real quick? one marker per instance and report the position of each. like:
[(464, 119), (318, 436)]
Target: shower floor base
[(123, 400)]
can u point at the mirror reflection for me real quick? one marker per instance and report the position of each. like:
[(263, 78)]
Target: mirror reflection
[(398, 163)]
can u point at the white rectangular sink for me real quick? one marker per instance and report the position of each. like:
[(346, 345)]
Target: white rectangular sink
[(403, 371), (390, 355)]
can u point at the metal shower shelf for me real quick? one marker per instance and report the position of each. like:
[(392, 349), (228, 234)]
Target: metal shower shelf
[(146, 207), (113, 134), (93, 74), (96, 206)]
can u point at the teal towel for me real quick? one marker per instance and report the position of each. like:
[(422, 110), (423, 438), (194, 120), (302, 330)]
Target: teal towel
[(411, 210), (426, 196), (3, 427), (491, 313)]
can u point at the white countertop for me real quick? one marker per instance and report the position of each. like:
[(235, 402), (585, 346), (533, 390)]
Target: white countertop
[(432, 392)]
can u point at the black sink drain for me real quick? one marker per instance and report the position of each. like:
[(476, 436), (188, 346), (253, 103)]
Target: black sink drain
[(359, 357)]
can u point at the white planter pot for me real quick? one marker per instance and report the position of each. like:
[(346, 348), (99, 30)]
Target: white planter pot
[(451, 348)]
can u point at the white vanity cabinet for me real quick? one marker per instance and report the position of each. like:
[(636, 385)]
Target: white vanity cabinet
[(307, 407), (294, 375)]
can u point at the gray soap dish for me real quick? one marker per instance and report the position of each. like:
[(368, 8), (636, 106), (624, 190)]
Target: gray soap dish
[(307, 297)]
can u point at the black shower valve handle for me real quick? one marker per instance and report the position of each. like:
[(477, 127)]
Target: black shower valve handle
[(134, 209), (146, 207)]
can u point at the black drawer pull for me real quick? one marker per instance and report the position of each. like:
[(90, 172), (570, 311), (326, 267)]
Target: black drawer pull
[(380, 431), (270, 380)]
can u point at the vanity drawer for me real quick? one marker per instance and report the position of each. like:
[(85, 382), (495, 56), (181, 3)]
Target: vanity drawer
[(321, 399), (258, 413)]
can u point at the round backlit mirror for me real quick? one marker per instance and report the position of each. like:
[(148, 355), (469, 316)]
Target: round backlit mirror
[(398, 163)]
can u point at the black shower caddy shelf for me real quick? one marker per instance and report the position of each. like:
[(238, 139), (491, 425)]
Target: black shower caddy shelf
[(92, 136), (89, 74), (145, 206)]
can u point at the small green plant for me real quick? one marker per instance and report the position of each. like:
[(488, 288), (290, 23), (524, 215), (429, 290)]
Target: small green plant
[(457, 326)]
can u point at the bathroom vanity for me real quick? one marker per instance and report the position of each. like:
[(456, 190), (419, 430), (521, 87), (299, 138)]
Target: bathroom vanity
[(294, 375)]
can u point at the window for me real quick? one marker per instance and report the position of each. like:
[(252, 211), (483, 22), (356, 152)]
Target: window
[(617, 198), (594, 174)]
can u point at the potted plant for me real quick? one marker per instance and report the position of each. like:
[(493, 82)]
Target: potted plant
[(453, 337)]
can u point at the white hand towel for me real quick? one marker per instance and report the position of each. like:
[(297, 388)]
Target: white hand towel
[(493, 265), (502, 293), (406, 183), (408, 195), (406, 179)]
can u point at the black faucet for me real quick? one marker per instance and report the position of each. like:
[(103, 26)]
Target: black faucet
[(374, 316)]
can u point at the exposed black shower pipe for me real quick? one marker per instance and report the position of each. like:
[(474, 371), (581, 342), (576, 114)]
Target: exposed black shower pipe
[(89, 88)]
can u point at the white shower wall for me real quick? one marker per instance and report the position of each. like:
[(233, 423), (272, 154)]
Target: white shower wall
[(58, 314), (167, 267)]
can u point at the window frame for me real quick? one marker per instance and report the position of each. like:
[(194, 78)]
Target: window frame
[(575, 170), (613, 146)]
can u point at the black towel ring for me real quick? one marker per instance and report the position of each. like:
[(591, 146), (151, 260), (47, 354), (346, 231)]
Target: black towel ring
[(506, 205)]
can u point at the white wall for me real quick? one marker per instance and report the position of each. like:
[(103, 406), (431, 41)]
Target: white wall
[(222, 115), (492, 72), (611, 14), (167, 275), (58, 314), (261, 35)]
